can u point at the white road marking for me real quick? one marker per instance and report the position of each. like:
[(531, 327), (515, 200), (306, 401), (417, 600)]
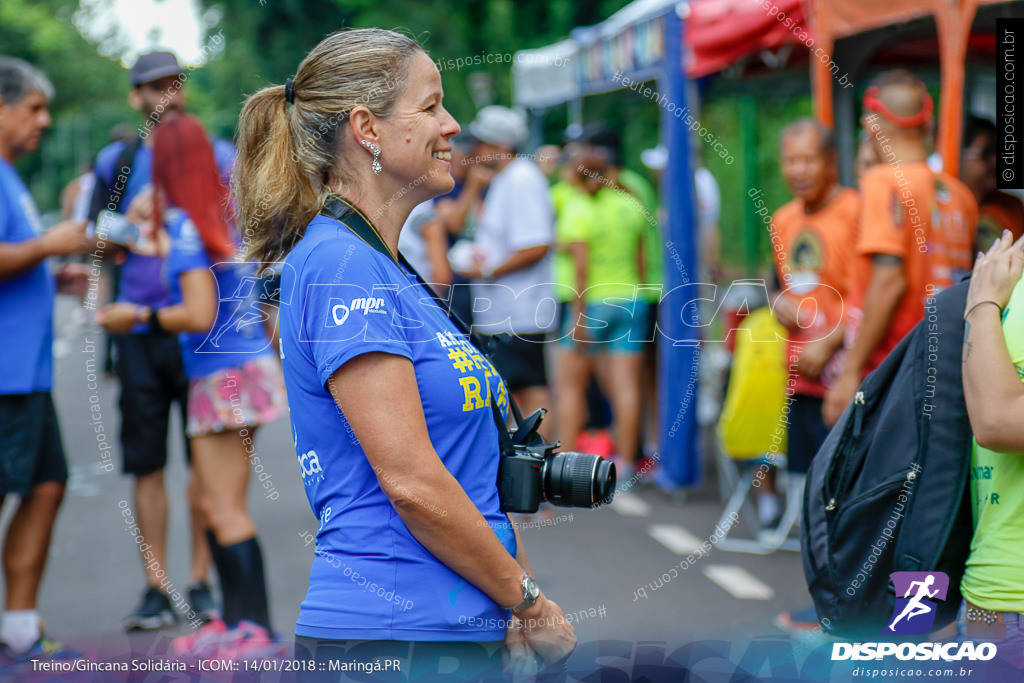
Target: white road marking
[(739, 582), (630, 505), (675, 538)]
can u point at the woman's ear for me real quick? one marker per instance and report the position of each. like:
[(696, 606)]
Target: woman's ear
[(362, 123)]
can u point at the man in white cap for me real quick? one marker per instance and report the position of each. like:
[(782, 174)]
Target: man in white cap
[(512, 290)]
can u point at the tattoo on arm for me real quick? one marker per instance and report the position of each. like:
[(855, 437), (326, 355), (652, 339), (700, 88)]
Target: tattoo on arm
[(967, 343)]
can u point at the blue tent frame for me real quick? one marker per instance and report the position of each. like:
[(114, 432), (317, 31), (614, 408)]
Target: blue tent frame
[(679, 341)]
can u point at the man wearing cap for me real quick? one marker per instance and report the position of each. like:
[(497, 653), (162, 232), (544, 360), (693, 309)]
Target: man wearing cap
[(916, 232), (149, 364), (32, 462), (512, 291)]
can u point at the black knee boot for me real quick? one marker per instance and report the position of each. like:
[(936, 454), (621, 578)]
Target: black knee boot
[(228, 581), (244, 562)]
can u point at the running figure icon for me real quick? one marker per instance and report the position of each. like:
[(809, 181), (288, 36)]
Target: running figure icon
[(915, 607)]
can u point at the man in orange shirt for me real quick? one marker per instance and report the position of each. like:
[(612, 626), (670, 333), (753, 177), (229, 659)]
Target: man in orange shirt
[(817, 231), (997, 211), (916, 237)]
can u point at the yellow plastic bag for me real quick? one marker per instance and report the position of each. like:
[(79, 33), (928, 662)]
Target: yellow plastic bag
[(751, 419)]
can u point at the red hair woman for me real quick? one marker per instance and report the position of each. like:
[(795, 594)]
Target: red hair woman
[(236, 383)]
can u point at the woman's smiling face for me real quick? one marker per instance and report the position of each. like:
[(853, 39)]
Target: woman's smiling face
[(415, 138)]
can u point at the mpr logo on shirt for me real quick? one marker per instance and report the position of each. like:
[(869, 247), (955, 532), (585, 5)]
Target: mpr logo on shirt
[(340, 311)]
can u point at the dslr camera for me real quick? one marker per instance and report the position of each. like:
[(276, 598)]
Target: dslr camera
[(530, 471)]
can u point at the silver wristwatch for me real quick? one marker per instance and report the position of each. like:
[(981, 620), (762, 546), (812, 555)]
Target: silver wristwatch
[(531, 591)]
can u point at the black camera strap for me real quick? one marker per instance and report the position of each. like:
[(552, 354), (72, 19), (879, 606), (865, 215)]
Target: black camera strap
[(347, 214)]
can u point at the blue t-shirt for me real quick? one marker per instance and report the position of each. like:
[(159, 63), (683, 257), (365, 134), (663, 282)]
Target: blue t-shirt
[(140, 281), (371, 579), (238, 334), (26, 333)]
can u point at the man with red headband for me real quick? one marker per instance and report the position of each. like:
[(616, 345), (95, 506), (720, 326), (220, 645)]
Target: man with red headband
[(916, 236)]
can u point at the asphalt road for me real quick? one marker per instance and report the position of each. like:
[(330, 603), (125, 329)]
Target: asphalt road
[(621, 571)]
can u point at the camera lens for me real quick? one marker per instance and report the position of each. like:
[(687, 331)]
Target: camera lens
[(578, 480)]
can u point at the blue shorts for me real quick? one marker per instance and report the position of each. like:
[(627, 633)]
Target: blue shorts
[(1010, 646), (609, 328)]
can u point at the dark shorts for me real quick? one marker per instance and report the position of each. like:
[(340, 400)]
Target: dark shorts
[(651, 333), (152, 380), (418, 661), (31, 452), (520, 360), (807, 431)]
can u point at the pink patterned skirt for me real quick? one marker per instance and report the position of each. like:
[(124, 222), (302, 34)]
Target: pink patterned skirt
[(245, 396)]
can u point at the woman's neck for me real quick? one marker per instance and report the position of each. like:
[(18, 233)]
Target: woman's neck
[(385, 210)]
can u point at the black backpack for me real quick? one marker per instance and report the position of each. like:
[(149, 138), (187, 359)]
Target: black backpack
[(888, 490)]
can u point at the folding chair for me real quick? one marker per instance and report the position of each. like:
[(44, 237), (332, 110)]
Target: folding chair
[(739, 503), (748, 435)]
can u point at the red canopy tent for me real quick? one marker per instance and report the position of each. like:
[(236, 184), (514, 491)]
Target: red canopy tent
[(721, 32)]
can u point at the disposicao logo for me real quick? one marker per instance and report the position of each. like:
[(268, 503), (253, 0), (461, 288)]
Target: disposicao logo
[(948, 652), (914, 614)]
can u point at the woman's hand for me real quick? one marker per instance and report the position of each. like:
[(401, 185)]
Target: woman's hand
[(140, 210), (996, 273), (120, 318), (546, 631), (477, 267), (519, 657), (152, 241)]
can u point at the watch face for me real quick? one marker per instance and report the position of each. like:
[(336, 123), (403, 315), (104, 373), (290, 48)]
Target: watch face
[(532, 589)]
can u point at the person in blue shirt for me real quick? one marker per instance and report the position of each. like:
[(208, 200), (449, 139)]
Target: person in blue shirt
[(392, 408), (32, 462), (235, 380), (149, 364)]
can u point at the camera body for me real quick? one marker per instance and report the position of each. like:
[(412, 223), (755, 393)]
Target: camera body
[(530, 472), (521, 478)]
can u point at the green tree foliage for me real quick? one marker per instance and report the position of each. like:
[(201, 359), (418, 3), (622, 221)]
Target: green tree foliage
[(90, 90), (266, 42)]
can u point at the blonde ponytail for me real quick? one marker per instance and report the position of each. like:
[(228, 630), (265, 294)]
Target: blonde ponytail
[(288, 155)]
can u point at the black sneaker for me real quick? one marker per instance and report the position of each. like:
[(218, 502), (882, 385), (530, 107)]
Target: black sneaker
[(154, 611), (200, 599)]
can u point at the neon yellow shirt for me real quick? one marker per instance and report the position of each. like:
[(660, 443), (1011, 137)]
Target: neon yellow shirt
[(611, 227), (994, 579), (654, 246), (562, 192), (572, 206)]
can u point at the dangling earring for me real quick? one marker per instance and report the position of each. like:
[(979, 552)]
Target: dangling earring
[(376, 156)]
